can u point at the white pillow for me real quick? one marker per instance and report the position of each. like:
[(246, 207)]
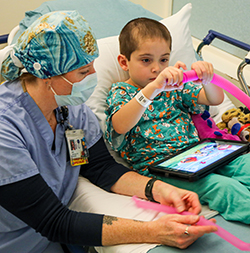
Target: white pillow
[(182, 45), (109, 71)]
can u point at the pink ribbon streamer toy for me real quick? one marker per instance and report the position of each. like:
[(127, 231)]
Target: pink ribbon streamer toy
[(202, 222), (191, 75)]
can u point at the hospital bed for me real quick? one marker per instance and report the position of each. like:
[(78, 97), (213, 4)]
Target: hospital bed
[(106, 19), (208, 39)]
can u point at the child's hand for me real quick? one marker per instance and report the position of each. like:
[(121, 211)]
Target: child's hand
[(176, 82), (169, 79), (204, 71), (180, 64)]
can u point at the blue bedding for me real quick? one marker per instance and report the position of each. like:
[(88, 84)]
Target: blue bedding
[(212, 243)]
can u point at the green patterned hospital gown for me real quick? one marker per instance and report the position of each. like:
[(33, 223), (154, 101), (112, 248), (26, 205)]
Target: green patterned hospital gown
[(164, 128)]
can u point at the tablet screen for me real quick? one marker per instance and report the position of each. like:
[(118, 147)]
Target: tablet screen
[(199, 157)]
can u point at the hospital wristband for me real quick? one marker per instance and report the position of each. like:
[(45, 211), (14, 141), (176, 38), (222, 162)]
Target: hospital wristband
[(142, 100)]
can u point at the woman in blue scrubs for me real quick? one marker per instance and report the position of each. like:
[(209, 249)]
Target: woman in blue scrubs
[(48, 136)]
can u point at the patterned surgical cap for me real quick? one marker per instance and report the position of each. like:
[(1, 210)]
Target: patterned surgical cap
[(56, 43)]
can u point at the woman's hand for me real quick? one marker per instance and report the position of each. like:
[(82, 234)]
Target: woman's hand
[(167, 230), (182, 200), (170, 230)]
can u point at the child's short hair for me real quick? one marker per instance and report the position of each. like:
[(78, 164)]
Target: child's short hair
[(138, 30)]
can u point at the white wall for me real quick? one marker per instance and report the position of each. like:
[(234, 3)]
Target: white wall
[(13, 11), (162, 8)]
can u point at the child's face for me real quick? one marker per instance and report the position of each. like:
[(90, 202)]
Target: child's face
[(150, 58)]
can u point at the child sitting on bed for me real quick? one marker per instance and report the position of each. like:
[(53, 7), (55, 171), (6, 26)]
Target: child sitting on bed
[(148, 116)]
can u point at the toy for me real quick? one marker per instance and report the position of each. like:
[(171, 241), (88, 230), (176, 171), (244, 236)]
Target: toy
[(227, 116), (223, 83), (231, 113), (236, 122), (207, 128), (245, 118), (222, 125), (202, 222), (234, 125), (244, 109), (242, 130)]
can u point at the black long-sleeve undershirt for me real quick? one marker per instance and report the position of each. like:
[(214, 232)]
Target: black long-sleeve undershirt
[(33, 201), (102, 170)]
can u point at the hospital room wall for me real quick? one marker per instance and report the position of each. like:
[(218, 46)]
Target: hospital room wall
[(230, 17), (162, 8), (13, 11)]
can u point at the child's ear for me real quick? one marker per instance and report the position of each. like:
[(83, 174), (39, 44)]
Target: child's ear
[(123, 61)]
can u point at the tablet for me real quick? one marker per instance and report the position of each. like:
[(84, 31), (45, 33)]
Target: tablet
[(200, 159)]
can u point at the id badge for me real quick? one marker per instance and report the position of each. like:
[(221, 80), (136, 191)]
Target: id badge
[(78, 151)]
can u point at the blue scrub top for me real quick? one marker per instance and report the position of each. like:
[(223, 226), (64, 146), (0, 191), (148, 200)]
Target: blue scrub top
[(26, 140)]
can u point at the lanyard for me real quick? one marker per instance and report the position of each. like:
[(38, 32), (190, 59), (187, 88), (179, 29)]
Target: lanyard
[(77, 148)]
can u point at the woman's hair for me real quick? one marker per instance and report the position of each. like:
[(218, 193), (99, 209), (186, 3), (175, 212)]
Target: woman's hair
[(27, 77), (139, 29)]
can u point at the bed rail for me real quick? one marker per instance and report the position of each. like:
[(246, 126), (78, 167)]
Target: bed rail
[(4, 38), (208, 40)]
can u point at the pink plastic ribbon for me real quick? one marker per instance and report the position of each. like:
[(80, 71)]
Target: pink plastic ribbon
[(202, 222), (191, 75)]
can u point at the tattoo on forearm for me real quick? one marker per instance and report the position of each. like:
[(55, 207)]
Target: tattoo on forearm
[(108, 220)]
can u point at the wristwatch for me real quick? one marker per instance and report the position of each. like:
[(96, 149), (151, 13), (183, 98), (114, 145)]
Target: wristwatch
[(148, 189)]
